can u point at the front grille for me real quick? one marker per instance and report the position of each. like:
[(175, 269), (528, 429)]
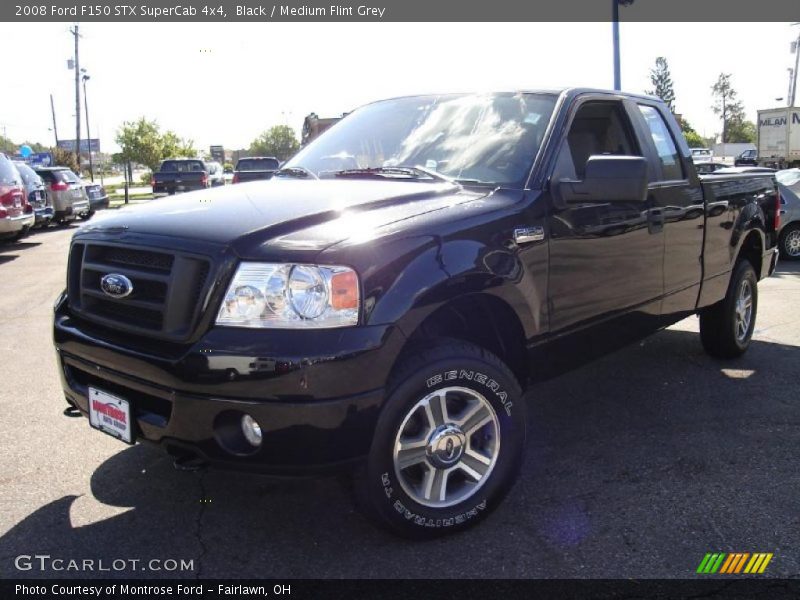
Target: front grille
[(167, 288)]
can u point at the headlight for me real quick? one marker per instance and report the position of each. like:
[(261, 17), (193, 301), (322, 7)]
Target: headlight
[(286, 296)]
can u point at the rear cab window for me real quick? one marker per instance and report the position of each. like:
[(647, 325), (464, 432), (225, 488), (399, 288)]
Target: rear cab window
[(182, 166), (257, 164), (671, 166)]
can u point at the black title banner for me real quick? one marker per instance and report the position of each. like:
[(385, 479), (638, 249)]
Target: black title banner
[(464, 589), (398, 10)]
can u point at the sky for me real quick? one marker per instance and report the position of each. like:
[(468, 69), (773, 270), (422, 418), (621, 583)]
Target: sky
[(225, 83)]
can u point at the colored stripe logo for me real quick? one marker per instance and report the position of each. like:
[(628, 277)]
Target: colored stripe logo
[(734, 563)]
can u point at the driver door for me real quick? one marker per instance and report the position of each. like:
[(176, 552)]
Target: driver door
[(606, 257)]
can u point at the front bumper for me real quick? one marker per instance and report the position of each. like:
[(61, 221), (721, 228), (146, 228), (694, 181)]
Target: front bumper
[(315, 394), (769, 261)]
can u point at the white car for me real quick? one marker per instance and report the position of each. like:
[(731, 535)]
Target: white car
[(702, 154)]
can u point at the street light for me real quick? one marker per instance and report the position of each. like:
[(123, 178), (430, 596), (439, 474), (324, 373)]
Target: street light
[(615, 4), (88, 133)]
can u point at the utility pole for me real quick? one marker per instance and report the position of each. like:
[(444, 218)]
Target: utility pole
[(76, 34), (53, 110), (796, 65), (615, 4), (88, 133)]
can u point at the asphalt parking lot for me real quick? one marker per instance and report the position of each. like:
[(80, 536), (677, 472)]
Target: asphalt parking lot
[(638, 465)]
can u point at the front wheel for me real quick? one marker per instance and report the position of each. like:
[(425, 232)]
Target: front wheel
[(448, 444), (726, 329)]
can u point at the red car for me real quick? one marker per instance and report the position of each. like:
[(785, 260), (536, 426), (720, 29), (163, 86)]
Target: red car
[(16, 214)]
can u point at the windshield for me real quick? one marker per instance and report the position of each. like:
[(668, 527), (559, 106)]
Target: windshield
[(258, 164), (487, 138), (788, 177)]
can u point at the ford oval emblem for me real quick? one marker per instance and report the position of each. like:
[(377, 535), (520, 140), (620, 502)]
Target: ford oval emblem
[(116, 285)]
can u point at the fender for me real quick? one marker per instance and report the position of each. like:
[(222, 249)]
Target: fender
[(447, 270)]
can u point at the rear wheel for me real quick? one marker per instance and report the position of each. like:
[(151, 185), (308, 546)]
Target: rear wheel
[(790, 242), (726, 328), (448, 444)]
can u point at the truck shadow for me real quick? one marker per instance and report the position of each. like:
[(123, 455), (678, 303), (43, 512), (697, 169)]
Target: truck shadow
[(649, 445)]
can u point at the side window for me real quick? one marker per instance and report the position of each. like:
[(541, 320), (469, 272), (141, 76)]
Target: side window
[(671, 166), (598, 128)]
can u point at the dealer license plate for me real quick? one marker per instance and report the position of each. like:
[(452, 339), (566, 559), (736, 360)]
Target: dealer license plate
[(110, 414)]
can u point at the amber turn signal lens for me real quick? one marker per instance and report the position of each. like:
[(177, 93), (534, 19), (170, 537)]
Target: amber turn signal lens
[(344, 290)]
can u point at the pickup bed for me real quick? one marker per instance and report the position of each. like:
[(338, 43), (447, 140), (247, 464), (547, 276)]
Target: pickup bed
[(180, 175), (388, 317)]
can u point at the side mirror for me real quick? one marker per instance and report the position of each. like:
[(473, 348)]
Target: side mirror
[(608, 178)]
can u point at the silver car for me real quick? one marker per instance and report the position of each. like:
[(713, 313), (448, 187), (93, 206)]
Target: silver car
[(789, 186), (65, 193)]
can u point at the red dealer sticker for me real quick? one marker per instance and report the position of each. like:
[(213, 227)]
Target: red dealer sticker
[(110, 414)]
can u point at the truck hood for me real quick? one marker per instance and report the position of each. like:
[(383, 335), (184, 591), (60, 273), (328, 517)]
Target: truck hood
[(285, 213)]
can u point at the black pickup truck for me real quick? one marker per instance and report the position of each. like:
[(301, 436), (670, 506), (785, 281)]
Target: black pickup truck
[(387, 318), (180, 175), (254, 168)]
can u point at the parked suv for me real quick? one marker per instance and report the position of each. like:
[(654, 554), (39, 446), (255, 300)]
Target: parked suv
[(387, 317), (65, 193), (16, 213), (37, 194)]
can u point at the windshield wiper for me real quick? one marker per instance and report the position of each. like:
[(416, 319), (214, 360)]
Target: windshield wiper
[(399, 172), (299, 172)]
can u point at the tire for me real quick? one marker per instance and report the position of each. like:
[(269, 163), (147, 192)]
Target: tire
[(86, 216), (478, 388), (790, 242), (725, 331)]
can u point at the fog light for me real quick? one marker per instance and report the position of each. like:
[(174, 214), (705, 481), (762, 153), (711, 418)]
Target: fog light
[(251, 430)]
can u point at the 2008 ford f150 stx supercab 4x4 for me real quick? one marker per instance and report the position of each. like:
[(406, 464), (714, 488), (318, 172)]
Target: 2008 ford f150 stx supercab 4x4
[(384, 299)]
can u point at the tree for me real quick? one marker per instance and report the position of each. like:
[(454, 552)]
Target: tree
[(728, 106), (175, 146), (279, 141), (142, 142), (662, 82), (742, 131), (64, 158), (35, 146), (694, 139)]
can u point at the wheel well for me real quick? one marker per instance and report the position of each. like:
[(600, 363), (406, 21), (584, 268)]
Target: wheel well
[(751, 250), (483, 320)]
